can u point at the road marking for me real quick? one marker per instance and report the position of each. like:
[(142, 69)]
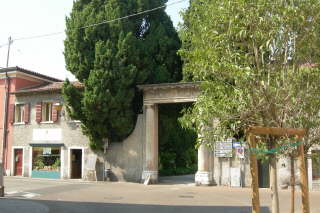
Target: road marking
[(21, 194), (30, 195), (12, 192)]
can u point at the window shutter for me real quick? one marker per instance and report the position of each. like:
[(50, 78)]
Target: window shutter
[(38, 112), (26, 118), (11, 113), (54, 114)]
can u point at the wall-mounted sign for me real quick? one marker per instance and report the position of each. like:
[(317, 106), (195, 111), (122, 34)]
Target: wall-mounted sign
[(47, 135), (91, 164), (223, 149)]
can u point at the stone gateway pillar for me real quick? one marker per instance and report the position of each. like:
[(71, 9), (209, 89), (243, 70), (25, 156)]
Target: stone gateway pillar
[(203, 176), (154, 94), (150, 171)]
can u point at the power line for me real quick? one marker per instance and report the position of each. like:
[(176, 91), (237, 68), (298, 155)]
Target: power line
[(2, 45), (91, 25), (38, 36), (100, 23), (132, 15), (125, 17)]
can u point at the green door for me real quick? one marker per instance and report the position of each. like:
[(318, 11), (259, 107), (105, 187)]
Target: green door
[(263, 174)]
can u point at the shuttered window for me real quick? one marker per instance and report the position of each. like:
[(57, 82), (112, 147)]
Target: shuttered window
[(46, 112), (11, 113), (19, 113), (38, 112), (26, 113), (54, 114)]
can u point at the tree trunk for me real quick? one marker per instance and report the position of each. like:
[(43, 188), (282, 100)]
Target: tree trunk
[(274, 184), (293, 183)]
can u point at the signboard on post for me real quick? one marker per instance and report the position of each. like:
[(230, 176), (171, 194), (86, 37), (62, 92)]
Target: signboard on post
[(240, 152), (236, 144), (223, 149)]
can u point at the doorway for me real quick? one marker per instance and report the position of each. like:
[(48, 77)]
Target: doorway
[(263, 174), (76, 163), (18, 162), (178, 156)]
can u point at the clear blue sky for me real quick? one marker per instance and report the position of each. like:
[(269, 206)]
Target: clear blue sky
[(21, 18)]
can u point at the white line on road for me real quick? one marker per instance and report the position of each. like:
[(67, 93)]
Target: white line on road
[(12, 192), (30, 195)]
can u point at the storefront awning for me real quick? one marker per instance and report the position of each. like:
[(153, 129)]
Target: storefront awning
[(46, 144)]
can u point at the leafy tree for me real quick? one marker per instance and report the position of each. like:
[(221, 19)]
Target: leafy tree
[(256, 60), (110, 59)]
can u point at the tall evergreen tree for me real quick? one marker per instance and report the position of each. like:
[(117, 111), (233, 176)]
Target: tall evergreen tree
[(112, 58)]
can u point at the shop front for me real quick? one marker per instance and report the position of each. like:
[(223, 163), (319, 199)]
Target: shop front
[(46, 161)]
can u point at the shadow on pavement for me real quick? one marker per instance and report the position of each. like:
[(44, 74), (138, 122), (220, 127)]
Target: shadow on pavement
[(176, 180), (49, 206)]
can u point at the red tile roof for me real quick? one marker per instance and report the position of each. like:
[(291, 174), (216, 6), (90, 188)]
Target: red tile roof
[(43, 88), (29, 72)]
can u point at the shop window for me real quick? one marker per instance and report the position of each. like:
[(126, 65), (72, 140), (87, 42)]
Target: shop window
[(46, 112), (19, 113), (316, 165), (46, 162)]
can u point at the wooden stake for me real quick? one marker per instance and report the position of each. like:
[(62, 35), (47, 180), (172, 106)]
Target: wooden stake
[(293, 183), (254, 175), (304, 180)]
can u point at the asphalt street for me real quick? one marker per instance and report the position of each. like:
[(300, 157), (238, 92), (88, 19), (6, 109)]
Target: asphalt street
[(27, 195)]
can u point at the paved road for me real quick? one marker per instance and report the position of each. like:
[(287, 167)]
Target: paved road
[(51, 196)]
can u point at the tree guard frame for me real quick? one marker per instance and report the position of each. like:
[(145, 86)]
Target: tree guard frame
[(251, 133)]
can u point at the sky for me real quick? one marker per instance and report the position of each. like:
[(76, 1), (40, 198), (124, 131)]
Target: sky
[(21, 19)]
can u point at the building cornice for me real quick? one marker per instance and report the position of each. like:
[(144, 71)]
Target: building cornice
[(20, 72)]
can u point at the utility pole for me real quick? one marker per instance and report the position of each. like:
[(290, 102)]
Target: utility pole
[(8, 54), (5, 123)]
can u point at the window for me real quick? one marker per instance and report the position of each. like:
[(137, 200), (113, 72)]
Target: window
[(46, 112), (19, 113)]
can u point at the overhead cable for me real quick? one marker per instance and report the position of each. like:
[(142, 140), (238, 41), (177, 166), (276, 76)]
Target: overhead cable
[(103, 22)]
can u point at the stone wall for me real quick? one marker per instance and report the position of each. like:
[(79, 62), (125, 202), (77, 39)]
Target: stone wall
[(222, 167), (125, 159)]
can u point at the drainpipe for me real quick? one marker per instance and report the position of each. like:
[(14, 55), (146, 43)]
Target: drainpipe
[(5, 123)]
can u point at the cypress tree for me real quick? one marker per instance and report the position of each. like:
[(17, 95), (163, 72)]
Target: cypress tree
[(110, 59)]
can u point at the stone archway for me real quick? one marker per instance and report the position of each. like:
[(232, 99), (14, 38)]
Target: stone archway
[(154, 94)]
